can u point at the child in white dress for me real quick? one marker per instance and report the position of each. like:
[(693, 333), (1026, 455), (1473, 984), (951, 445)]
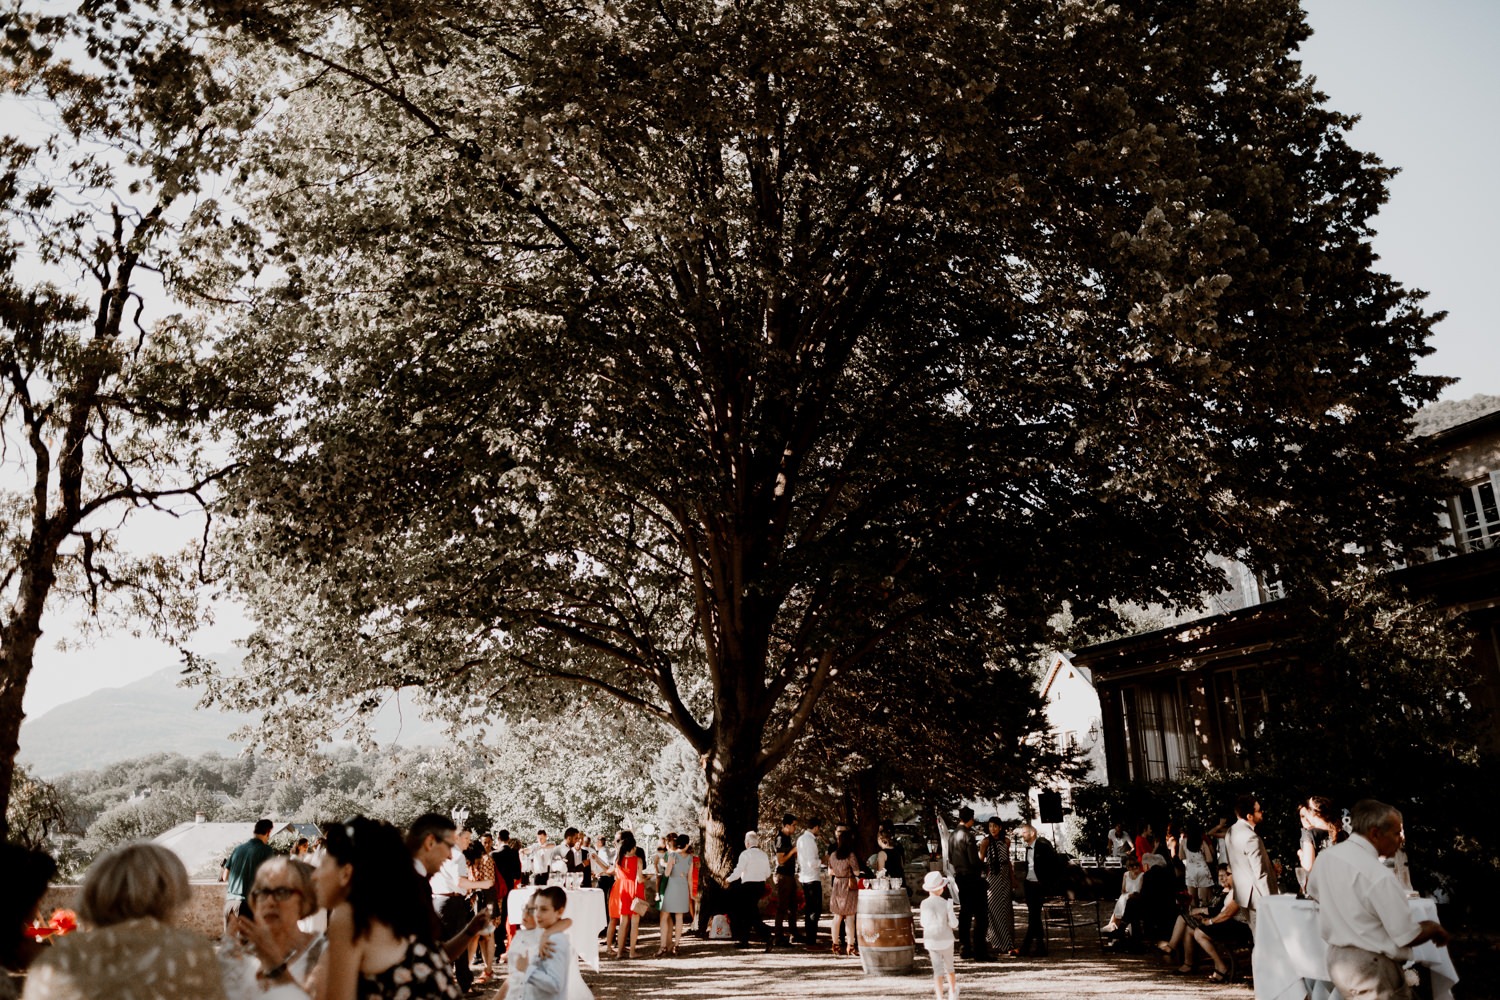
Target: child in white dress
[(938, 924)]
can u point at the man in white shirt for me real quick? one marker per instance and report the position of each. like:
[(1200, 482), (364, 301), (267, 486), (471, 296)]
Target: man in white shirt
[(1249, 864), (543, 853), (751, 870), (810, 874), (1362, 911), (1120, 843)]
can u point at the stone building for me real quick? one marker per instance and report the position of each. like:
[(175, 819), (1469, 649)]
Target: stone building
[(1186, 696)]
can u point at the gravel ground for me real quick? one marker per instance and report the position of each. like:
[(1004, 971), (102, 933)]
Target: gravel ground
[(710, 970)]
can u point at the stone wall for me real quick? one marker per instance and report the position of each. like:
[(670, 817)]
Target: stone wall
[(204, 912)]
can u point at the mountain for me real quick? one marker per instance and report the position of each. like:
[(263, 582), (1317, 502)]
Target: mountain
[(154, 715), (151, 715)]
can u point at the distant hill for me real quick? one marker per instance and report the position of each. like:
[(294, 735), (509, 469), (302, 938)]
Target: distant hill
[(154, 715), (151, 715)]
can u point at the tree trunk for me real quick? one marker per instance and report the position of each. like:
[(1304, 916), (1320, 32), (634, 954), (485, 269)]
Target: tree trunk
[(864, 795), (731, 809), (15, 669)]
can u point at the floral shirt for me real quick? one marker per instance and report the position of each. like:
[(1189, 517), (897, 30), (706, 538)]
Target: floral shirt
[(133, 960), (424, 974)]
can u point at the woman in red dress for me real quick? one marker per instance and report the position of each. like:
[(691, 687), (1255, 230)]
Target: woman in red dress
[(627, 889)]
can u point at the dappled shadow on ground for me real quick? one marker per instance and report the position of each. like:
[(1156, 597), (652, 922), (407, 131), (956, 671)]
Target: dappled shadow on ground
[(714, 970)]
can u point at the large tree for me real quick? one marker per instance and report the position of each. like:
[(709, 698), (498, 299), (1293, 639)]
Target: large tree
[(699, 353), (105, 391)]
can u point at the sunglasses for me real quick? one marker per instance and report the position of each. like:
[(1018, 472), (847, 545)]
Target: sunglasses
[(280, 893)]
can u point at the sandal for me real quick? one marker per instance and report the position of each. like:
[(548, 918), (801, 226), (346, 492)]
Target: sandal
[(1218, 977)]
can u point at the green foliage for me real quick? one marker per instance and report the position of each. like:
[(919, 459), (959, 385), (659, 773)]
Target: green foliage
[(150, 815), (701, 355), (1391, 677), (1377, 705), (37, 812), (1201, 799), (115, 118), (934, 721), (1446, 413)]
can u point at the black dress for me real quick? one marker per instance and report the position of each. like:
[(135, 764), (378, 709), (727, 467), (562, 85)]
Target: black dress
[(422, 974)]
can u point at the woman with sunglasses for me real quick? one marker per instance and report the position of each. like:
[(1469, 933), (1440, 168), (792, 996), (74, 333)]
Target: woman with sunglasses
[(380, 922), (271, 956)]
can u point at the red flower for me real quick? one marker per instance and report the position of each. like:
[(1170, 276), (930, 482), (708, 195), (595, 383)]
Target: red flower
[(63, 921)]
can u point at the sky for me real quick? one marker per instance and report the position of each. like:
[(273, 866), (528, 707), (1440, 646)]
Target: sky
[(1422, 76)]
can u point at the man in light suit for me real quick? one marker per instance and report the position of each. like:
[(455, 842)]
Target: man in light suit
[(1254, 875)]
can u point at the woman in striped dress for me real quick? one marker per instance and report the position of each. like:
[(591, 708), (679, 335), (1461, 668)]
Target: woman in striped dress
[(995, 852)]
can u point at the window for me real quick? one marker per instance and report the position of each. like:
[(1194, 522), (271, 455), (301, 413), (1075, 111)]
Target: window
[(1476, 516), (1242, 705), (1156, 745)]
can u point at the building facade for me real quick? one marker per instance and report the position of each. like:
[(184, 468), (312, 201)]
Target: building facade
[(1190, 696)]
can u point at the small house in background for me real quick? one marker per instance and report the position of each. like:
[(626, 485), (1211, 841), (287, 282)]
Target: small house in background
[(203, 847), (296, 831), (1185, 697), (1074, 721)]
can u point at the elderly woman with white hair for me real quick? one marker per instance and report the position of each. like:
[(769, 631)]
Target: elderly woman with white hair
[(751, 871), (129, 947)]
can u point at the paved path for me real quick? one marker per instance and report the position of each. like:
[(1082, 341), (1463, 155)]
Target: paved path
[(716, 970)]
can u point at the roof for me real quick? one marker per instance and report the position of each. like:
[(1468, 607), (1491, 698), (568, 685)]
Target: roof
[(1059, 661), (308, 830), (1468, 582), (1451, 437), (202, 846)]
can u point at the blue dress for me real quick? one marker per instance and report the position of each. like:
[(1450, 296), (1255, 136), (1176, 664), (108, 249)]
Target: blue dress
[(675, 892)]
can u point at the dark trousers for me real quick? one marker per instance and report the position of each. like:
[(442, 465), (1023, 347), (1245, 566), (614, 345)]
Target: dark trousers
[(453, 914), (747, 912), (786, 904), (973, 914), (1036, 930), (812, 910)]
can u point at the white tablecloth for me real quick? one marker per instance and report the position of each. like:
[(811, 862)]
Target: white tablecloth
[(1290, 960), (587, 908)]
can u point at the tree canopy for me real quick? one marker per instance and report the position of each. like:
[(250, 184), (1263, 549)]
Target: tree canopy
[(113, 122), (700, 354)]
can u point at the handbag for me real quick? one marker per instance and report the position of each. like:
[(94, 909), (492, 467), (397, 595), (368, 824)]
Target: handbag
[(639, 906)]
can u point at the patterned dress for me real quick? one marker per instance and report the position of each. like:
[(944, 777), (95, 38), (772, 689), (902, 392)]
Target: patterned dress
[(423, 974), (482, 869), (843, 900), (997, 871)]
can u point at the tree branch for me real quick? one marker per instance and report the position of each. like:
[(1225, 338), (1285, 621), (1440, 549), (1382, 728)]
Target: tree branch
[(783, 743)]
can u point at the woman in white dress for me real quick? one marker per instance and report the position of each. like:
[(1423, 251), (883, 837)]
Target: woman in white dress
[(1130, 884)]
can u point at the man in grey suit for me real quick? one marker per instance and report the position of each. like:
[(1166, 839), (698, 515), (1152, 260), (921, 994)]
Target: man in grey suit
[(1254, 875)]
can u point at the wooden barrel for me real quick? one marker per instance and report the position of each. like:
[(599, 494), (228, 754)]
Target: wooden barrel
[(887, 943)]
